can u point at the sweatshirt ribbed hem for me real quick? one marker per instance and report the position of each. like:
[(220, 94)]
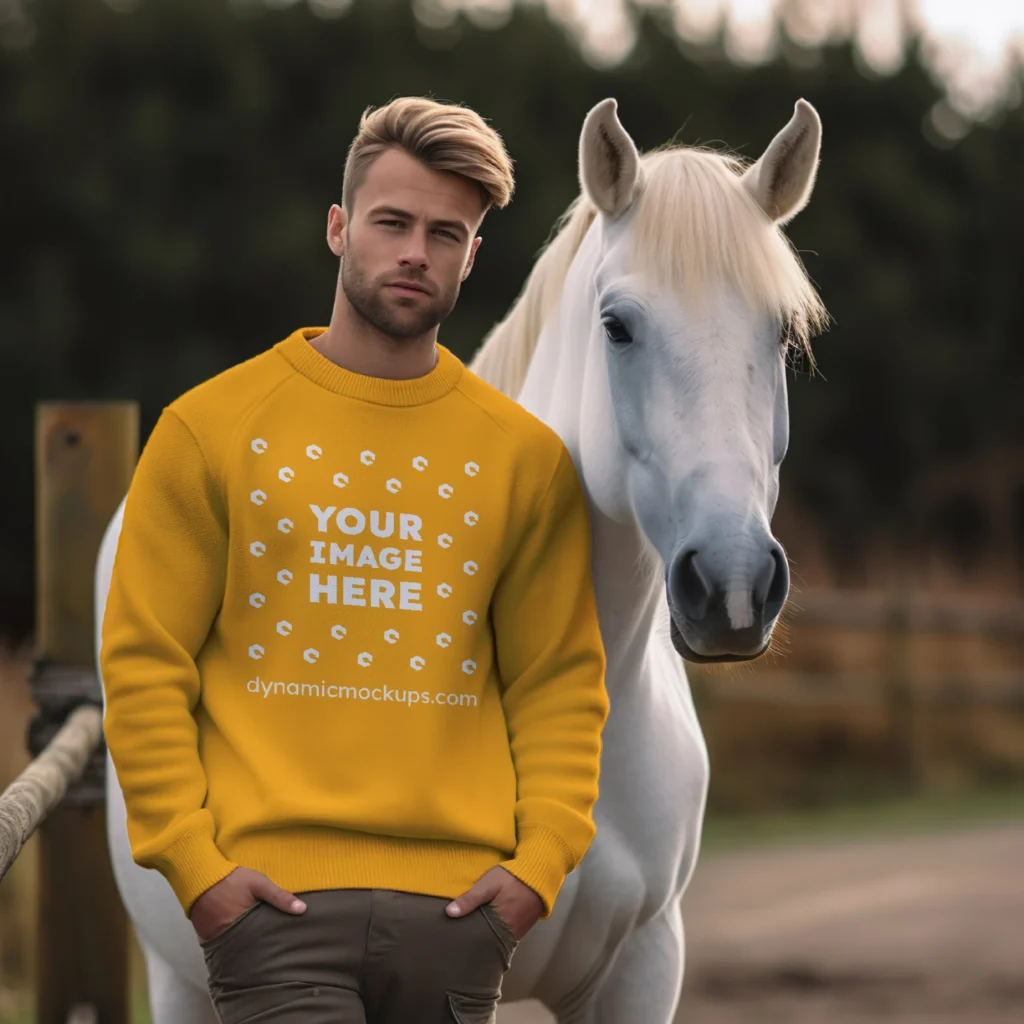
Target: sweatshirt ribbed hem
[(297, 350), (307, 859)]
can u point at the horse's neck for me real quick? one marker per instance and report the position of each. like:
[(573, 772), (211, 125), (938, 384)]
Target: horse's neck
[(627, 595)]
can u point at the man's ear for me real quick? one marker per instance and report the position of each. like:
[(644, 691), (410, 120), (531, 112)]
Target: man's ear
[(472, 256), (337, 221)]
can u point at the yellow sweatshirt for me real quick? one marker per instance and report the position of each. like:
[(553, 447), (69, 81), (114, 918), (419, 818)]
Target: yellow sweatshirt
[(351, 638)]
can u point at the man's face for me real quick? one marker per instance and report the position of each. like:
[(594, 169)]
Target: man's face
[(407, 245)]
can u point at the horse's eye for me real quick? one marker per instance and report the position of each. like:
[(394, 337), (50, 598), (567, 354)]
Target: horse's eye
[(616, 331)]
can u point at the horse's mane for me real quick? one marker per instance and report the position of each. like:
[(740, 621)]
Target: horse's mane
[(694, 224), (504, 356)]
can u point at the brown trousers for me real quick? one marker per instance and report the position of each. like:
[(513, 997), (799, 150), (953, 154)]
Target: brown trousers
[(359, 956)]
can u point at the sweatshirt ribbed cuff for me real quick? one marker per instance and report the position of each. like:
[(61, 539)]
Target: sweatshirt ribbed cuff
[(543, 861), (192, 864)]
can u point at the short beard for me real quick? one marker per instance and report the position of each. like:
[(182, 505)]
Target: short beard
[(370, 302)]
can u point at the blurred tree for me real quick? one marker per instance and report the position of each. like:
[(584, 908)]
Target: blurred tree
[(167, 168)]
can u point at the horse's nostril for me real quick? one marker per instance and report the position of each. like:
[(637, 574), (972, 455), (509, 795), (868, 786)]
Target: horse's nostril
[(689, 588), (778, 587)]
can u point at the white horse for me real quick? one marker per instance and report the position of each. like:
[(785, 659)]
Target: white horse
[(652, 336)]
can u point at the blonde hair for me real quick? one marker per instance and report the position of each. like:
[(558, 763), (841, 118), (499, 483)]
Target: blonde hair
[(694, 224), (443, 136)]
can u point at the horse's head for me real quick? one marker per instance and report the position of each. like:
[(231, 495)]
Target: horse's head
[(695, 297)]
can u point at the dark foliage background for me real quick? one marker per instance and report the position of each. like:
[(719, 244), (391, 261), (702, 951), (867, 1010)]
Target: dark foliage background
[(166, 173)]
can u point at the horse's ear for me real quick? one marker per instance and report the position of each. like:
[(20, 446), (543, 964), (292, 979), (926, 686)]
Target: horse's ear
[(609, 161), (782, 180)]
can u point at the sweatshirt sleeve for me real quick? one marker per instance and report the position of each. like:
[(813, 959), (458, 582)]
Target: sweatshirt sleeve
[(165, 591), (552, 664)]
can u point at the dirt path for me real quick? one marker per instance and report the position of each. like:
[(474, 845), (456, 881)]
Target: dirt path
[(916, 930)]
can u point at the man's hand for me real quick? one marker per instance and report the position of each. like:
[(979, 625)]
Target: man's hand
[(222, 903), (517, 904)]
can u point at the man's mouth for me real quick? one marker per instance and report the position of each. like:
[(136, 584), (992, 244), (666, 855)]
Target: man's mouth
[(409, 287)]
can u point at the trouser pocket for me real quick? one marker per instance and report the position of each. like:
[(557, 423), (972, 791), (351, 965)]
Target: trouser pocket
[(472, 1009), (273, 967), (424, 967), (501, 930), (224, 933)]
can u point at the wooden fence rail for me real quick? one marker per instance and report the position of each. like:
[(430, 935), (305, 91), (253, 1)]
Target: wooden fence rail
[(908, 693), (1001, 690), (877, 612)]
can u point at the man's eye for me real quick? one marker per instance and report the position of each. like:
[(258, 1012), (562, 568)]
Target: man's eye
[(447, 234), (391, 223)]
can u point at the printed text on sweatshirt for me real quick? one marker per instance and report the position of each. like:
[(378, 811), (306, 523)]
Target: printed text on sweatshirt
[(351, 639)]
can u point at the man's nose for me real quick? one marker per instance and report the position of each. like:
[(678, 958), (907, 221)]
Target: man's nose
[(414, 253)]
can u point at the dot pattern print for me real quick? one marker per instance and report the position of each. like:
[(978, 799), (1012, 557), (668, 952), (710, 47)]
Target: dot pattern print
[(388, 542)]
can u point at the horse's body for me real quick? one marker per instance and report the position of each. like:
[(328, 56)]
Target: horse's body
[(673, 406)]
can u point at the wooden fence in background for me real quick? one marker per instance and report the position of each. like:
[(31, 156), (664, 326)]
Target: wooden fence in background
[(896, 623), (85, 453)]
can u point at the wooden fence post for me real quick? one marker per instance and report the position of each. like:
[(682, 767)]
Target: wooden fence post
[(904, 703), (85, 455)]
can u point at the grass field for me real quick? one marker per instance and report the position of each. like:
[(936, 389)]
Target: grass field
[(888, 816)]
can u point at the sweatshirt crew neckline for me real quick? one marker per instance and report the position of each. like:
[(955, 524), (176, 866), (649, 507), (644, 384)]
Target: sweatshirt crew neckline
[(298, 351)]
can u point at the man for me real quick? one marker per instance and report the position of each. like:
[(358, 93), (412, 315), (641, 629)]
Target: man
[(350, 650)]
